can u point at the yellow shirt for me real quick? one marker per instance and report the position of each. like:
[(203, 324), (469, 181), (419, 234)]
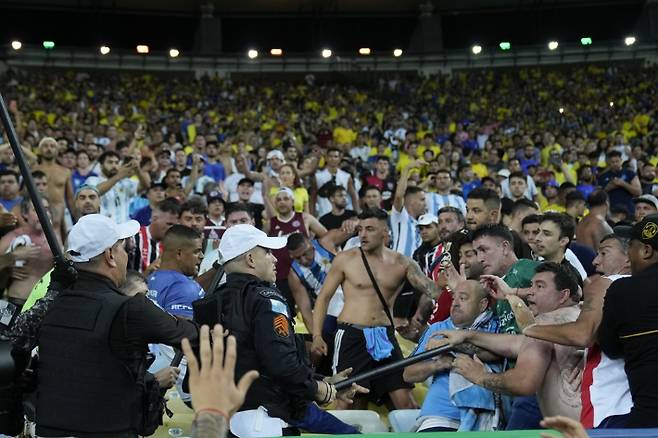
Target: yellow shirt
[(480, 170), (436, 150), (301, 197), (344, 136)]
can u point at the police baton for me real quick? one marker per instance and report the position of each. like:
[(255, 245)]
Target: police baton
[(387, 369), (29, 182)]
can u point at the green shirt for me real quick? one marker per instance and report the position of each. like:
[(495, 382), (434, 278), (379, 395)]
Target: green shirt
[(519, 275), (38, 291)]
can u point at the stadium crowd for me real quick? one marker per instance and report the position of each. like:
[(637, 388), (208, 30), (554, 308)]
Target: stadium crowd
[(510, 215)]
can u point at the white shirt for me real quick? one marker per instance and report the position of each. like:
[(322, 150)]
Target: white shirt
[(530, 192), (323, 206), (405, 232), (231, 185), (115, 203), (436, 202)]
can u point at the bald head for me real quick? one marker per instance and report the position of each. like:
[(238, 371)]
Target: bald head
[(470, 299)]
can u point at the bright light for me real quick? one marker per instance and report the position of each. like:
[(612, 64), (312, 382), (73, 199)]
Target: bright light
[(276, 52), (476, 49), (561, 110), (586, 41), (104, 50), (364, 51), (612, 104), (553, 45), (143, 49), (326, 53), (16, 45), (629, 40), (49, 45), (397, 53), (252, 53), (505, 45), (173, 53)]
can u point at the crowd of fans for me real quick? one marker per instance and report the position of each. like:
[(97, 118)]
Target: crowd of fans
[(503, 185)]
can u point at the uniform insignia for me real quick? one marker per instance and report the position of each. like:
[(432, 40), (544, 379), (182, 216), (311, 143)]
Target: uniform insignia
[(270, 293), (296, 224), (280, 325), (649, 231), (279, 307)]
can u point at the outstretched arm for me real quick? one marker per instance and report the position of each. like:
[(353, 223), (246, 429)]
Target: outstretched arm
[(418, 279), (334, 278)]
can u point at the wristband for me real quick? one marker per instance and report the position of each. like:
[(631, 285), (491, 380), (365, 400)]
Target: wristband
[(215, 411)]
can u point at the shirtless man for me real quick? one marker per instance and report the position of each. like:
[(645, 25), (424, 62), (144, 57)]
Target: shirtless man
[(593, 227), (26, 273), (363, 313), (605, 393), (60, 188), (549, 370)]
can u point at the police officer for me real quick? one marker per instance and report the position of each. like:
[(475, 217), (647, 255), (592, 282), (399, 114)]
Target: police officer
[(629, 325), (256, 313), (93, 341)]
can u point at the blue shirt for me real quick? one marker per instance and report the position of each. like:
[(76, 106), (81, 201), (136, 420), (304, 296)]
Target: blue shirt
[(618, 196), (437, 401), (143, 216), (77, 180), (174, 292), (8, 204)]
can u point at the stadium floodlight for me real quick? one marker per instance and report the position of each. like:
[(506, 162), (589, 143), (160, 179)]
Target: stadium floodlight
[(252, 53), (326, 53), (552, 45), (586, 41), (476, 49), (364, 51), (49, 45), (397, 53), (104, 50), (276, 52), (16, 45), (561, 110), (142, 49), (505, 45), (173, 53), (612, 104), (629, 40)]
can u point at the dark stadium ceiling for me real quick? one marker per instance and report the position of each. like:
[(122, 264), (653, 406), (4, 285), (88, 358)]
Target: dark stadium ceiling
[(338, 7)]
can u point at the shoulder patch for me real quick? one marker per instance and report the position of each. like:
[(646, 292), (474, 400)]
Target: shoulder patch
[(270, 293), (281, 326), (279, 307)]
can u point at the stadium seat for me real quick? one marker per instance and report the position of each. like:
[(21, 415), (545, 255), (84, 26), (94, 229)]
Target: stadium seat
[(365, 421), (403, 420)]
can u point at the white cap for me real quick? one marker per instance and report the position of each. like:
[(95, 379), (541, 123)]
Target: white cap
[(427, 218), (504, 173), (278, 154), (648, 199), (288, 191), (243, 237), (94, 233)]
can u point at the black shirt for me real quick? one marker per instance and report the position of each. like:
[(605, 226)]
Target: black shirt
[(629, 330), (332, 222)]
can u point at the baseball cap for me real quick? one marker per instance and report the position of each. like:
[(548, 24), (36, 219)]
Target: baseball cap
[(214, 196), (278, 154), (246, 181), (156, 185), (86, 187), (94, 233), (646, 231), (241, 238), (647, 199), (504, 173), (427, 218)]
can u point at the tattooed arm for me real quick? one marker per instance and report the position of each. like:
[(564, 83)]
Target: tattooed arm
[(582, 332), (418, 279), (524, 379)]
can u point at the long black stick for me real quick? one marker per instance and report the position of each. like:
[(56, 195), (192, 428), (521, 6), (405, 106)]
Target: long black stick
[(29, 182), (386, 369)]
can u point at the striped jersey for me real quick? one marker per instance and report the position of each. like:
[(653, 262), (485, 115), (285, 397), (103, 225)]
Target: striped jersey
[(436, 202), (145, 250), (406, 238)]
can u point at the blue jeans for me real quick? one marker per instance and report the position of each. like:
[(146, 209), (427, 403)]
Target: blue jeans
[(318, 421), (525, 414)]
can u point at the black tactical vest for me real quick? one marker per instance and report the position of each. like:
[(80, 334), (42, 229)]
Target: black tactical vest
[(83, 389)]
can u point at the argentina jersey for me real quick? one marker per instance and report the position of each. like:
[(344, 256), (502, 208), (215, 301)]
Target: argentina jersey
[(436, 202), (406, 237)]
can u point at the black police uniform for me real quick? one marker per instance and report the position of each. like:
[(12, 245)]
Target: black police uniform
[(258, 316), (92, 359)]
